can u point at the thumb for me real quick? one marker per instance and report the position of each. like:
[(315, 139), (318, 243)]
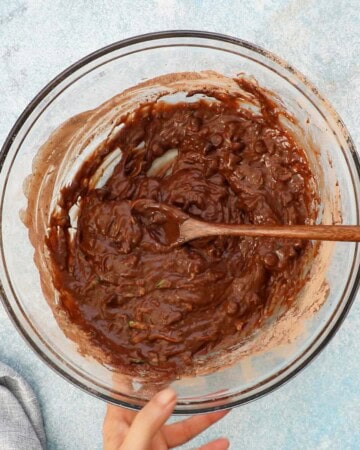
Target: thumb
[(149, 421)]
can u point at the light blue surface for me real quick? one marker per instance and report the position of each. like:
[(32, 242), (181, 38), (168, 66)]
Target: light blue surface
[(320, 408)]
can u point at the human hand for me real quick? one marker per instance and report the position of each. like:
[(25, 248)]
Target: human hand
[(146, 430)]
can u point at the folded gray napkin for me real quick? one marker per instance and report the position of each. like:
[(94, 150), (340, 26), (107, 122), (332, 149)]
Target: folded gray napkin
[(21, 425)]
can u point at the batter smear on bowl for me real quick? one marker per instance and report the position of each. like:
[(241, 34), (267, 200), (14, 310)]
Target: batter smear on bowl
[(152, 308)]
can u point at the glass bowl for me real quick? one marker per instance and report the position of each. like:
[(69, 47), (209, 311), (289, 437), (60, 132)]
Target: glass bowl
[(320, 307)]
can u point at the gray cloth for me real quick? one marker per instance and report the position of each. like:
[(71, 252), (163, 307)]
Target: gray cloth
[(21, 425)]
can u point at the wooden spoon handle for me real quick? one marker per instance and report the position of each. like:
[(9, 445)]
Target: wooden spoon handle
[(192, 229)]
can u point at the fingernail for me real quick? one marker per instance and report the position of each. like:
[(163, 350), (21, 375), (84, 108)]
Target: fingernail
[(166, 397)]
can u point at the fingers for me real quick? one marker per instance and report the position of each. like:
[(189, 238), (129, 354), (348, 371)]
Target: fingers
[(181, 432), (149, 420), (116, 416), (158, 442), (118, 413), (218, 444), (115, 428)]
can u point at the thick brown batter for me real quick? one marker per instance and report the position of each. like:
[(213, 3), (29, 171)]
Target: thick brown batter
[(158, 310)]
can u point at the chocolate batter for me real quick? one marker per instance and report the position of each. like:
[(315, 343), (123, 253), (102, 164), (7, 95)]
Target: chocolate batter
[(159, 309)]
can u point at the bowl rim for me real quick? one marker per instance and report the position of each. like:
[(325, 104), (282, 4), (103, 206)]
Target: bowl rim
[(145, 38)]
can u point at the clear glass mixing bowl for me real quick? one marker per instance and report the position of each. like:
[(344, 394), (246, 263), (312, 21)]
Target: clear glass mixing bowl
[(100, 76)]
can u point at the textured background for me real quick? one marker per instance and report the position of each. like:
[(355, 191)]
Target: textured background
[(320, 408)]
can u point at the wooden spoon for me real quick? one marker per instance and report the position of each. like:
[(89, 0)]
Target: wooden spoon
[(180, 228)]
